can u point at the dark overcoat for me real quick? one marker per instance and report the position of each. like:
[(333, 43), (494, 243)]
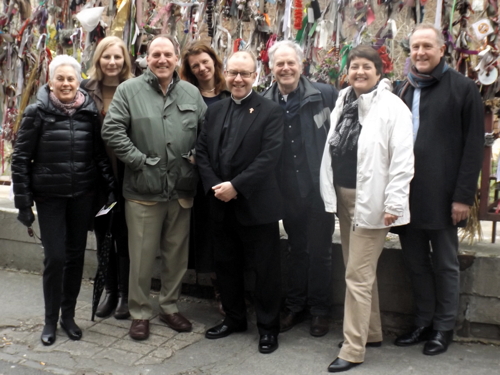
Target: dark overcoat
[(448, 148)]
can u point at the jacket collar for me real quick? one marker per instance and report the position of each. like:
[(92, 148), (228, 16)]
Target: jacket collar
[(93, 85), (152, 79), (438, 72), (306, 89)]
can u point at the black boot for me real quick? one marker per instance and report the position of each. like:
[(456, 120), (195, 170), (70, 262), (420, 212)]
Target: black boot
[(123, 272)]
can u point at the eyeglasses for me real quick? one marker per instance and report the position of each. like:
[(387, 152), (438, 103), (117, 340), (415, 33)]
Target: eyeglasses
[(234, 73)]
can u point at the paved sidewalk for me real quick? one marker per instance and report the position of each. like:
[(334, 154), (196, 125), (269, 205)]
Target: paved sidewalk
[(106, 349)]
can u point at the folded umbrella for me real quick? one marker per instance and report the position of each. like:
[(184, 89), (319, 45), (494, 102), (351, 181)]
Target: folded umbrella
[(103, 251)]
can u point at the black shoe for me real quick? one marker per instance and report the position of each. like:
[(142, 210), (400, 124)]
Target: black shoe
[(268, 343), (418, 334), (121, 311), (290, 319), (438, 343), (373, 344), (72, 330), (340, 365), (107, 305), (222, 330), (49, 334), (320, 325)]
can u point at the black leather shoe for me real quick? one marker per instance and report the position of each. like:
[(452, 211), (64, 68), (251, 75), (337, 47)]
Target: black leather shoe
[(320, 325), (72, 330), (107, 305), (290, 319), (222, 330), (49, 334), (418, 334), (373, 344), (340, 365), (268, 343), (438, 343)]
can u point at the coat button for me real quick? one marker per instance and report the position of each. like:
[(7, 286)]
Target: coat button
[(164, 117)]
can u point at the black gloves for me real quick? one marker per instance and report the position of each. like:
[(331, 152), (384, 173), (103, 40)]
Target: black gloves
[(26, 216)]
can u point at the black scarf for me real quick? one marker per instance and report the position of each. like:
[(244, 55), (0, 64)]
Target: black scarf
[(348, 127)]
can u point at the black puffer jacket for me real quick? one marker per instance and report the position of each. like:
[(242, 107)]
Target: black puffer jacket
[(57, 155)]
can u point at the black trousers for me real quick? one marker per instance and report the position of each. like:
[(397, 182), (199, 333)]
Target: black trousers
[(431, 258), (253, 249), (309, 229), (63, 227)]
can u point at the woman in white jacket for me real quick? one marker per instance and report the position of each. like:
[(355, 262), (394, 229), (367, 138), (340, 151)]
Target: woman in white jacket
[(365, 177)]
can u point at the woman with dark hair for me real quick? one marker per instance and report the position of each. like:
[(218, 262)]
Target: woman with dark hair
[(111, 66), (365, 177), (203, 68), (57, 159)]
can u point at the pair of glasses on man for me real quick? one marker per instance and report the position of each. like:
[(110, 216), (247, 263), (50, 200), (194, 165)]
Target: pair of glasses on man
[(234, 73)]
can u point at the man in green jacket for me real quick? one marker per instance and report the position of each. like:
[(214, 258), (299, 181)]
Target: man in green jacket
[(152, 125)]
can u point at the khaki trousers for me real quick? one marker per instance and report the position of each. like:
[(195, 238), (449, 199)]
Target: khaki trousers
[(164, 226), (361, 249)]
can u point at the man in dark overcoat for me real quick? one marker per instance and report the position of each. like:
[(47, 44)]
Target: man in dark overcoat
[(237, 155), (448, 123), (306, 111)]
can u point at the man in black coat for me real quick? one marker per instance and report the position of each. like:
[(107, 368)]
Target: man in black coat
[(448, 123), (306, 110), (237, 155)]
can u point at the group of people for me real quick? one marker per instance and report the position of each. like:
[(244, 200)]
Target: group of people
[(404, 159)]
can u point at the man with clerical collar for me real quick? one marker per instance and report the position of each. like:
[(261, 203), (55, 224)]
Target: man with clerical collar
[(151, 125), (448, 128), (306, 109), (237, 155)]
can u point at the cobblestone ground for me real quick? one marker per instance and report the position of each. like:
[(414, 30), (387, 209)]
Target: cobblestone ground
[(106, 349), (105, 344)]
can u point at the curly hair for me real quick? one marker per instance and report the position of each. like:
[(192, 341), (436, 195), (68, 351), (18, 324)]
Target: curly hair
[(185, 70)]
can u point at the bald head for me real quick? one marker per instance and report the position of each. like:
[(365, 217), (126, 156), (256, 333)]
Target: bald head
[(243, 56)]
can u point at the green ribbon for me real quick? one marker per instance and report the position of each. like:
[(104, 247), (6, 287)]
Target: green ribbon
[(344, 53), (301, 34)]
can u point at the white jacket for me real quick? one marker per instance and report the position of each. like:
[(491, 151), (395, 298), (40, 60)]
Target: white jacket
[(385, 158)]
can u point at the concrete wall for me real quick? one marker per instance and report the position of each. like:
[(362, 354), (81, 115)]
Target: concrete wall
[(479, 315)]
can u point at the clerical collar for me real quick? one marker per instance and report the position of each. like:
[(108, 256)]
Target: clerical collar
[(240, 101)]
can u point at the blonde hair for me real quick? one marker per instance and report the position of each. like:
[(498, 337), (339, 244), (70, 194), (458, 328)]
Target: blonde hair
[(95, 72)]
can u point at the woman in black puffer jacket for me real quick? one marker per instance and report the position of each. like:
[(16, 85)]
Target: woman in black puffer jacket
[(57, 158)]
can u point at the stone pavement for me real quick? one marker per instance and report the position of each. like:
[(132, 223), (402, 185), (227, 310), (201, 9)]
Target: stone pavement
[(106, 349)]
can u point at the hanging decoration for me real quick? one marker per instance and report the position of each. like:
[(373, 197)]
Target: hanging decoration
[(326, 30)]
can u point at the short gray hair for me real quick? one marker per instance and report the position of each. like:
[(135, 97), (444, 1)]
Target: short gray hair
[(285, 43), (428, 26), (61, 60)]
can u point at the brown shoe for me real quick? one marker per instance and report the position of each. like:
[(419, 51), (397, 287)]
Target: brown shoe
[(176, 321), (290, 319), (139, 330), (320, 326)]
